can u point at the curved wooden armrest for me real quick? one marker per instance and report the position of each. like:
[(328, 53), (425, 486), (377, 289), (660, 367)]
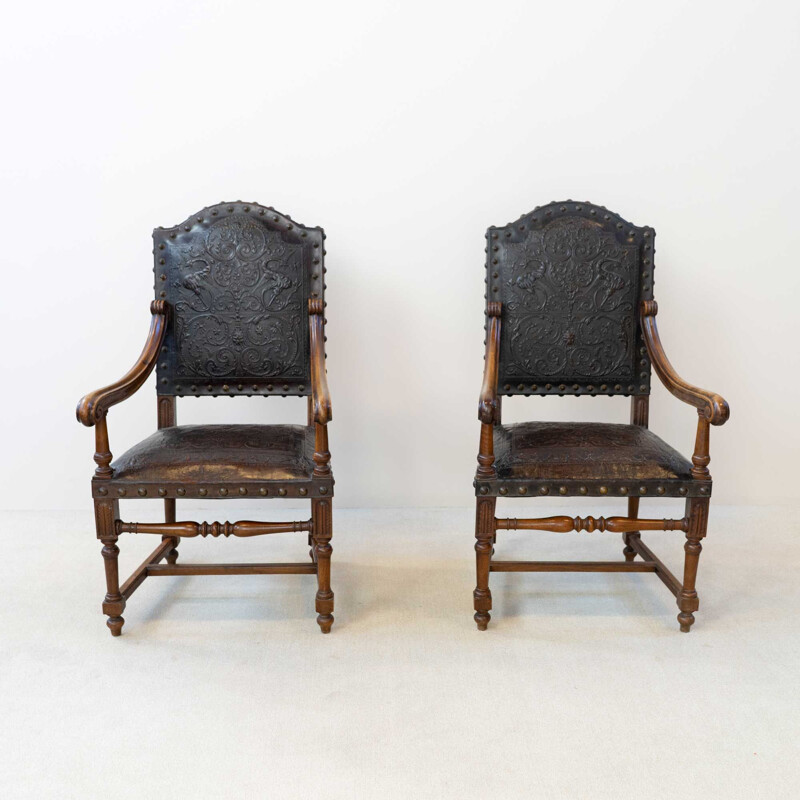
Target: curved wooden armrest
[(709, 405), (488, 398), (94, 406), (320, 396)]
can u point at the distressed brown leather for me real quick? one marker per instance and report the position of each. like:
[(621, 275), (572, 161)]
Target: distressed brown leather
[(585, 451), (220, 454)]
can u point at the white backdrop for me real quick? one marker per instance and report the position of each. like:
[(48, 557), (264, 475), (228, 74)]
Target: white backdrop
[(405, 129)]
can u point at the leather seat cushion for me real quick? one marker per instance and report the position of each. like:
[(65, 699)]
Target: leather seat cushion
[(219, 453), (585, 450)]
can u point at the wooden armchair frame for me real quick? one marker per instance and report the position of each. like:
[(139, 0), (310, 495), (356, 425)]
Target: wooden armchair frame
[(712, 409), (92, 411)]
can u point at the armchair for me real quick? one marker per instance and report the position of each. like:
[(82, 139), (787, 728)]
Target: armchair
[(570, 288), (239, 310)]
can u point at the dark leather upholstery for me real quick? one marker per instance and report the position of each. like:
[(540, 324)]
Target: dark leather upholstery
[(585, 451), (237, 278), (220, 454), (571, 277)]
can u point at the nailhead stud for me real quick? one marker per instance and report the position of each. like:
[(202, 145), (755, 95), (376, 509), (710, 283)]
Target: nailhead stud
[(562, 489), (242, 490), (583, 490), (122, 492), (282, 492), (544, 490), (523, 490), (142, 492), (102, 490), (604, 490), (162, 492), (180, 492), (503, 490), (304, 491), (203, 492), (223, 491), (263, 490), (683, 490)]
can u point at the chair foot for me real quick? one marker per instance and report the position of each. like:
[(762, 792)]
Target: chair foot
[(325, 621), (686, 620), (482, 619), (115, 625)]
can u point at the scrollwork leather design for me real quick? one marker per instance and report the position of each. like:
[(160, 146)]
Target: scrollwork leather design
[(570, 300), (238, 287)]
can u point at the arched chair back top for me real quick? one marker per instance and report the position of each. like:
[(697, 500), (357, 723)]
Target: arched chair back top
[(570, 277), (237, 278)]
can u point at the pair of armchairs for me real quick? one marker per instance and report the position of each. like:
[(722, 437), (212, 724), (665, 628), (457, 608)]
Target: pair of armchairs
[(239, 310)]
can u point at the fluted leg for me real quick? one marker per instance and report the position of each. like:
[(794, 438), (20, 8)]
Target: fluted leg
[(484, 538), (633, 513), (322, 525), (688, 602), (169, 516), (105, 512)]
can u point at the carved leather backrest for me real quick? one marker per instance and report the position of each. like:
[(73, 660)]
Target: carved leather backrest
[(237, 278), (570, 277)]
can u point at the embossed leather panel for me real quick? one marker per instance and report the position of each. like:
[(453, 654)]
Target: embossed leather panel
[(220, 453), (237, 278), (570, 277), (585, 451)]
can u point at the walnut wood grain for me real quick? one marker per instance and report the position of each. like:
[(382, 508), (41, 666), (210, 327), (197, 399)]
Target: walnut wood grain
[(711, 405)]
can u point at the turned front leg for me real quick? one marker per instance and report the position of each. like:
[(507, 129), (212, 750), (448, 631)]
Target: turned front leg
[(106, 511), (322, 530), (688, 602), (484, 537)]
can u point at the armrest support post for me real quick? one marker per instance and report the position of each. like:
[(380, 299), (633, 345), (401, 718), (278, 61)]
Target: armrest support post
[(701, 457), (102, 455)]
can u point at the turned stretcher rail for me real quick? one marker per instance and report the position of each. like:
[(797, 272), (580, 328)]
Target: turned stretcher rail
[(613, 524), (190, 529)]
